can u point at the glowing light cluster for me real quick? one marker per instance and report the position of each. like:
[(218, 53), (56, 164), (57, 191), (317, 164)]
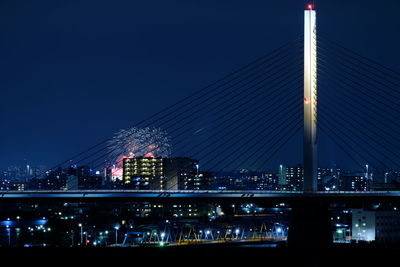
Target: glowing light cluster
[(117, 168), (139, 142)]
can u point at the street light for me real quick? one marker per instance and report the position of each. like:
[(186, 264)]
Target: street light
[(81, 226), (162, 236), (279, 230), (116, 234), (9, 235), (208, 232), (237, 231)]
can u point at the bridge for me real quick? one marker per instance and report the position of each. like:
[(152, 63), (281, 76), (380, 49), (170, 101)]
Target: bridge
[(208, 195), (254, 114), (245, 119)]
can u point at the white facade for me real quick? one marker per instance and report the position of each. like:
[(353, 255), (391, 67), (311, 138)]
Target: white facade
[(363, 225), (310, 101)]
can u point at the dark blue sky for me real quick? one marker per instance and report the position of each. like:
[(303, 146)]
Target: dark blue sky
[(74, 72)]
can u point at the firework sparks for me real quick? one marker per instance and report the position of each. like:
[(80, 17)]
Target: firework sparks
[(140, 142)]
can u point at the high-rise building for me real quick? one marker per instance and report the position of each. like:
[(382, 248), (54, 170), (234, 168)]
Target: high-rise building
[(143, 173), (182, 174), (165, 174), (294, 178)]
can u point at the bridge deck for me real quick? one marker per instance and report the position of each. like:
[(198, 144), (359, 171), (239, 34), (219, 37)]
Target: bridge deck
[(193, 194)]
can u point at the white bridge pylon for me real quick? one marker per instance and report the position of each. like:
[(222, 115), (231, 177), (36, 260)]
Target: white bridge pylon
[(310, 100)]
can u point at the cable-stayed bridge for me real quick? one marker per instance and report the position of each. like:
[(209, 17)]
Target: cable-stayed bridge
[(256, 116), (260, 115), (177, 195)]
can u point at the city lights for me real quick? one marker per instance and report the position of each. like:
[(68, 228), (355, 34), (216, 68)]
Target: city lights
[(232, 164)]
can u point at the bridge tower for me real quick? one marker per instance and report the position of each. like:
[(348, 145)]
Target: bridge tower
[(310, 100)]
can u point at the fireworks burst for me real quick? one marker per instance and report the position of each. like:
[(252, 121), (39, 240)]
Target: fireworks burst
[(140, 142)]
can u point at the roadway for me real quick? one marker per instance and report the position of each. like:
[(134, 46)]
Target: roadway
[(151, 195)]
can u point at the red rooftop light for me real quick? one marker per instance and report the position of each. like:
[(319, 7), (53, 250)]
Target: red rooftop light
[(310, 7)]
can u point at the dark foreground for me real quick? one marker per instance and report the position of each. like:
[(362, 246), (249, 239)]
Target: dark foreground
[(346, 255)]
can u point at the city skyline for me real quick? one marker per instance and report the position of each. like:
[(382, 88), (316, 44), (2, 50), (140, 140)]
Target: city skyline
[(185, 128), (37, 140)]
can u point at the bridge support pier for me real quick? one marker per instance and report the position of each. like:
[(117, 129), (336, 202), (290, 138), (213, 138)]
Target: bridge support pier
[(310, 225)]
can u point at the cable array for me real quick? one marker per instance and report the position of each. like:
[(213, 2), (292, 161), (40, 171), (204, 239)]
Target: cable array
[(251, 111), (359, 105)]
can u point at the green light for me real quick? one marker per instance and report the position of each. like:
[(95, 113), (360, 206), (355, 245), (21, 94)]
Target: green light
[(161, 244)]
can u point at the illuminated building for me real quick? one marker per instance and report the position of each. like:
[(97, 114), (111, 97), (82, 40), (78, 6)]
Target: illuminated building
[(354, 182), (282, 175), (185, 210), (268, 181), (4, 184), (363, 225), (116, 171), (18, 186), (294, 178), (143, 173), (327, 179), (182, 174), (164, 173)]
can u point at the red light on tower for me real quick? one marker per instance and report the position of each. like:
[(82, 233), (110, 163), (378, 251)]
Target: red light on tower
[(306, 100), (310, 7)]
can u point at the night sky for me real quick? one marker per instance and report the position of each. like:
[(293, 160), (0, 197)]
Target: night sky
[(74, 72)]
